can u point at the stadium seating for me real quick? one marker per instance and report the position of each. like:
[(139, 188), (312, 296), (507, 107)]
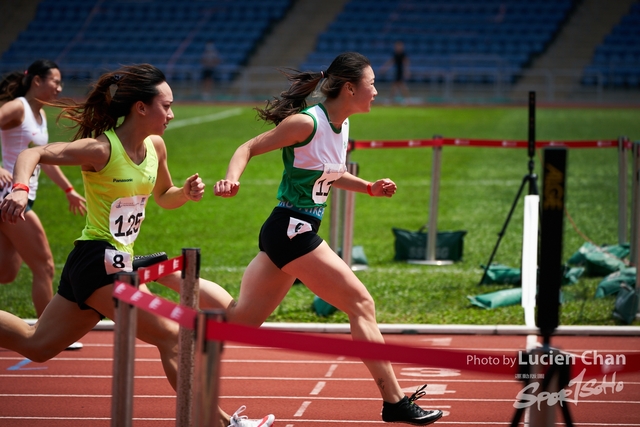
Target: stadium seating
[(616, 61), (468, 41), (87, 37)]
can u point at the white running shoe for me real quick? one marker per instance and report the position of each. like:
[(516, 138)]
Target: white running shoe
[(75, 346), (244, 421)]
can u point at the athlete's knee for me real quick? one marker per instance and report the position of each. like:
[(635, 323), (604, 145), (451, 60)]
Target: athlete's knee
[(42, 354), (364, 307), (8, 275)]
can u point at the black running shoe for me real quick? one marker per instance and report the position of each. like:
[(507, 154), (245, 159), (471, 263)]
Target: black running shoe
[(407, 411), (140, 261)]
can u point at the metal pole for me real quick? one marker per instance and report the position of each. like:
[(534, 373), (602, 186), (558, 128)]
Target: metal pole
[(348, 221), (207, 372), (124, 348), (432, 237), (635, 202), (636, 216), (189, 291), (622, 190), (336, 207)]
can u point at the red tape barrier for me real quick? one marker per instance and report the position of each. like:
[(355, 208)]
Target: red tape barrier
[(155, 271), (490, 363), (460, 142), (185, 316)]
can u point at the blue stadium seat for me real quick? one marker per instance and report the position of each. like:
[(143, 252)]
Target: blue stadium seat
[(442, 29), (156, 31), (616, 61)]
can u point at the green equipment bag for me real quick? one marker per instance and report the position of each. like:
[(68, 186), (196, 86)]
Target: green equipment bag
[(321, 307), (501, 274), (610, 285), (600, 260), (413, 244), (626, 306), (495, 299)]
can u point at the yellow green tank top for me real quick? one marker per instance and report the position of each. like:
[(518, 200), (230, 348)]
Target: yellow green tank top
[(117, 196)]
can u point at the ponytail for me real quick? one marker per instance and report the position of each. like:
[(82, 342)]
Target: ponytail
[(111, 98), (346, 67)]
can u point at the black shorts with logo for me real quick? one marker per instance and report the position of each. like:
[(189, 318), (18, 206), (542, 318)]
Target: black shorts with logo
[(84, 272), (287, 235)]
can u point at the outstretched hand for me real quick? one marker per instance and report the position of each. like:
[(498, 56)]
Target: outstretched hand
[(77, 203), (13, 205), (384, 188), (194, 188), (226, 188)]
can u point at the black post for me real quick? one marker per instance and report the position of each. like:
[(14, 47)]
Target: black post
[(550, 264)]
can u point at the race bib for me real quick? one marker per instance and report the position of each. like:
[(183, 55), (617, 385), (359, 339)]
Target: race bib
[(125, 218), (321, 188), (297, 226), (116, 261)]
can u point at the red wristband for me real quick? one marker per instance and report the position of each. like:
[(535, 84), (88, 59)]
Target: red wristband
[(20, 186), (369, 185), (69, 190)]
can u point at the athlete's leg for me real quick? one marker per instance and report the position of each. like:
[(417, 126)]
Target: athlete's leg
[(10, 260), (327, 276), (263, 287), (30, 241), (155, 330), (61, 324), (211, 294)]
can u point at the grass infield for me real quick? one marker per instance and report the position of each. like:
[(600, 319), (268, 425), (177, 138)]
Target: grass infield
[(478, 186)]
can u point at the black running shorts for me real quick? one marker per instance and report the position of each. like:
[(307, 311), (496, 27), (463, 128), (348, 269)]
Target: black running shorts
[(84, 272), (287, 235)]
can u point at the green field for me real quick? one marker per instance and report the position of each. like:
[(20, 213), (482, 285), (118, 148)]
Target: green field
[(478, 186)]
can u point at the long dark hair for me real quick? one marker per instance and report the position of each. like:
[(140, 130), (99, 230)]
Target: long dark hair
[(112, 97), (346, 67), (17, 83)]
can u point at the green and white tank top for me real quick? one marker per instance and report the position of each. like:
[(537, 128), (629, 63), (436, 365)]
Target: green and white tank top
[(311, 166), (117, 196)]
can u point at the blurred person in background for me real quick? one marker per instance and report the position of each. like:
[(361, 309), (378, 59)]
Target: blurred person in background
[(23, 124)]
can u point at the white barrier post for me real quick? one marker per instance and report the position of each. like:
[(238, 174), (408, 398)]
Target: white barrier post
[(530, 258), (207, 372), (622, 190), (124, 348), (189, 292), (432, 237)]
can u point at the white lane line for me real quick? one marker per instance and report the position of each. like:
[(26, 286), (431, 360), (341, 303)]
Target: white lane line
[(318, 388), (331, 370), (302, 408), (204, 119)]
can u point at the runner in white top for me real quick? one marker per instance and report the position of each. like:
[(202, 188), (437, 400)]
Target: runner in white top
[(23, 124), (313, 143)]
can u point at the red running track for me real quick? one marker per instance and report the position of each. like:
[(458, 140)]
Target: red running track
[(302, 390)]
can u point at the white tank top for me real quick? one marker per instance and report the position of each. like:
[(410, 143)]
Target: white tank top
[(29, 134)]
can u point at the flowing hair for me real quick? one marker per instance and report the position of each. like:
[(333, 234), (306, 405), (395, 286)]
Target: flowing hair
[(18, 83), (346, 67), (111, 98)]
